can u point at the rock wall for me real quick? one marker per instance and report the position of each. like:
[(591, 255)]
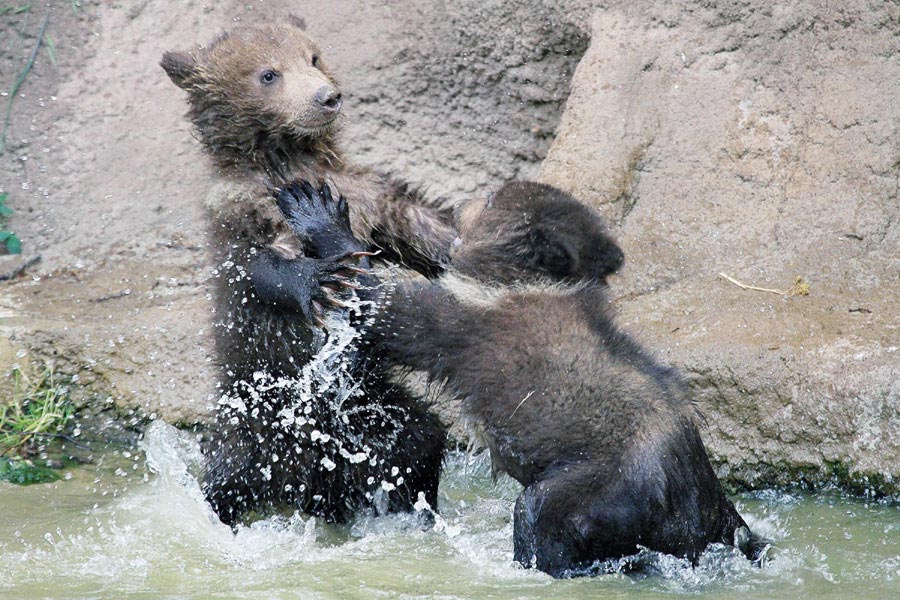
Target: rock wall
[(738, 137), (107, 179), (761, 142)]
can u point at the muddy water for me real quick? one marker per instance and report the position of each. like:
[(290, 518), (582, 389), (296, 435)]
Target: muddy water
[(136, 527)]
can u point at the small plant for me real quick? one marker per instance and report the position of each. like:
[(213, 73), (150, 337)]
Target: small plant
[(22, 472), (8, 238), (39, 408)]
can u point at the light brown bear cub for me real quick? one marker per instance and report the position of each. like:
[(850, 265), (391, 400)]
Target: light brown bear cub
[(266, 109)]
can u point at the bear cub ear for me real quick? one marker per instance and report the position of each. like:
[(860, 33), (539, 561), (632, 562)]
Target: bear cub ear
[(298, 22), (549, 253), (179, 66)]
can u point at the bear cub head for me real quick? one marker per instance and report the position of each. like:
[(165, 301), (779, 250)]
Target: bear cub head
[(258, 93), (531, 232)]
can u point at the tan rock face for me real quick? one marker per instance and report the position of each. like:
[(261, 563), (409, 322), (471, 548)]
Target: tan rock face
[(734, 137), (764, 144), (107, 180)]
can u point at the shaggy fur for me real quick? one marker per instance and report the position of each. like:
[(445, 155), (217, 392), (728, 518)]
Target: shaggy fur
[(266, 110), (602, 436)]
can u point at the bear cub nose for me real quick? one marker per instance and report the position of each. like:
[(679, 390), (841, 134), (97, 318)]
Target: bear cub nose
[(328, 98)]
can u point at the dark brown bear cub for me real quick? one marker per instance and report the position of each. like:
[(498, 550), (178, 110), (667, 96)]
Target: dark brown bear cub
[(266, 109), (603, 438)]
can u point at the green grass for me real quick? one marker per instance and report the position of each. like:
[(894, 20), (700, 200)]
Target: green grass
[(51, 49), (39, 408), (23, 472), (15, 10), (8, 238)]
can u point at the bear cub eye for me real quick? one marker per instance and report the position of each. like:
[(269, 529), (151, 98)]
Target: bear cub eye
[(315, 60), (268, 77)]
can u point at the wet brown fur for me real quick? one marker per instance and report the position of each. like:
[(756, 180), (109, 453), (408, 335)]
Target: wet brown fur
[(259, 138), (602, 436), (256, 144)]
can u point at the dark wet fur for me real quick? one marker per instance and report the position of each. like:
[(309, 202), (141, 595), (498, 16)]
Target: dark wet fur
[(255, 148), (603, 437)]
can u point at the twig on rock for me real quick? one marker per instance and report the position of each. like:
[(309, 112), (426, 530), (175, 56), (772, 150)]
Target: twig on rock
[(800, 287), (20, 79), (20, 269), (115, 296)]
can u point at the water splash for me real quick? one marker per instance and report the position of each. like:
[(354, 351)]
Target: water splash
[(157, 539), (174, 456), (325, 437)]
